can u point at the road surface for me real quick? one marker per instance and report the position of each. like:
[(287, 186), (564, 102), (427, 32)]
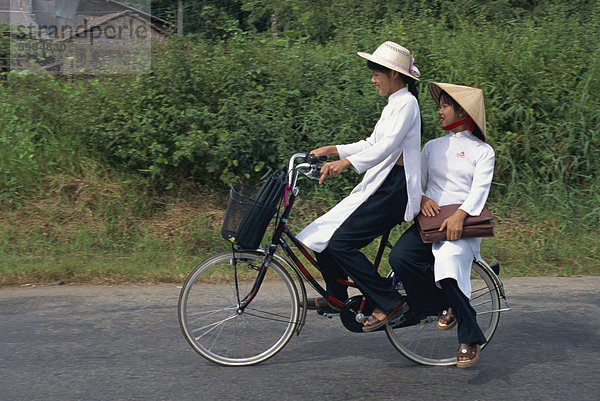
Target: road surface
[(124, 343)]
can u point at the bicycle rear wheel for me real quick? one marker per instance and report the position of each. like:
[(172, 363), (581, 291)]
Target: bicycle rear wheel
[(424, 343), (213, 322)]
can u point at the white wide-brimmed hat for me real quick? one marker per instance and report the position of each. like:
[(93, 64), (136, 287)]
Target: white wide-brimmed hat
[(394, 57), (470, 99)]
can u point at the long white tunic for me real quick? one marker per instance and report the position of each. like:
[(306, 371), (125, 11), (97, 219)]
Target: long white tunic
[(397, 132), (457, 168)]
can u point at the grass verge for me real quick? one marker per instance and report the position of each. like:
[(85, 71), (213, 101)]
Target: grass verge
[(38, 245)]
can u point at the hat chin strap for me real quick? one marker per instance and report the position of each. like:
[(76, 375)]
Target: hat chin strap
[(459, 123)]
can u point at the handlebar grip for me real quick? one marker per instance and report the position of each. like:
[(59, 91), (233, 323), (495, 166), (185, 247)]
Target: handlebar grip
[(312, 159)]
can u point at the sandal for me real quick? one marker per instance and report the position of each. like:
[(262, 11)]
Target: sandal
[(446, 320), (320, 303), (372, 322), (470, 352)]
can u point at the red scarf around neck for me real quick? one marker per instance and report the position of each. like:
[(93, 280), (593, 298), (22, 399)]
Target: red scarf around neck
[(459, 123)]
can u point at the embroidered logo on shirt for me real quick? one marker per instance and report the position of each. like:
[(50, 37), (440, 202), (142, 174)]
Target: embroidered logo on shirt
[(460, 154)]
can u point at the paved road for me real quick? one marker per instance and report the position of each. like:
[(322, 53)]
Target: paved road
[(124, 343)]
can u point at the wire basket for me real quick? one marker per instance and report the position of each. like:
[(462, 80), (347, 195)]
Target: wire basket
[(250, 210)]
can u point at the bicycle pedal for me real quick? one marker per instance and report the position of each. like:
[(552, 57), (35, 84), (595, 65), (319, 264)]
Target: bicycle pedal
[(327, 312)]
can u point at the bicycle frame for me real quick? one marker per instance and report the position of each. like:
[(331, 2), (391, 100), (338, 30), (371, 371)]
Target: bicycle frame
[(296, 265)]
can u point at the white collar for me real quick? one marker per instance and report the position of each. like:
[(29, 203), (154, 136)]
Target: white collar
[(462, 134), (397, 94)]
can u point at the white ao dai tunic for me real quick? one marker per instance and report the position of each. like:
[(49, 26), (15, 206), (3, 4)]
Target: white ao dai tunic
[(457, 168), (398, 132)]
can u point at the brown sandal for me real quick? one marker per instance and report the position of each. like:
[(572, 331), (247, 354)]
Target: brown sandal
[(320, 303), (446, 320), (372, 323), (470, 352)]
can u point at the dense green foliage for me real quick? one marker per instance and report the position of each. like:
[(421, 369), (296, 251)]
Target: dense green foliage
[(254, 81), (214, 110)]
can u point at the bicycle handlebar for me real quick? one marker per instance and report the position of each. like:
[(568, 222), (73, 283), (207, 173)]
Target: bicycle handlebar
[(312, 159), (309, 162)]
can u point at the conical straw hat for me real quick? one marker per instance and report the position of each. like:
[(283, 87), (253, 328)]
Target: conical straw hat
[(470, 99), (394, 57)]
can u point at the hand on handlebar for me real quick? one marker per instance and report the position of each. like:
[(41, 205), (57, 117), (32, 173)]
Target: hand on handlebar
[(330, 150), (333, 169)]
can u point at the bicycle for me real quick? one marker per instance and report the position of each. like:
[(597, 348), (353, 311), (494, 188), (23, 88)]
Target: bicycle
[(228, 320)]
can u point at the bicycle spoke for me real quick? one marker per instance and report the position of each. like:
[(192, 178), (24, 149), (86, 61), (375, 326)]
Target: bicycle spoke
[(216, 336), (212, 326), (487, 301), (212, 312), (283, 319)]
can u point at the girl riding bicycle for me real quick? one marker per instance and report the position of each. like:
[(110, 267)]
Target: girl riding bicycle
[(388, 194)]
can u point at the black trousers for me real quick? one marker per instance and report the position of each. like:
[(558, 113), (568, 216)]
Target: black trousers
[(412, 261), (342, 258)]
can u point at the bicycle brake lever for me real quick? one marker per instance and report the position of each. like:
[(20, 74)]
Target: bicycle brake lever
[(310, 176)]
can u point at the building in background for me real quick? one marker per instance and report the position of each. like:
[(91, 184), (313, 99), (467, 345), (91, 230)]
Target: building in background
[(80, 36)]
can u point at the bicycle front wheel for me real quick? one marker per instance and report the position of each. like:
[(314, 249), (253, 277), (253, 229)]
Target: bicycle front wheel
[(424, 343), (219, 329)]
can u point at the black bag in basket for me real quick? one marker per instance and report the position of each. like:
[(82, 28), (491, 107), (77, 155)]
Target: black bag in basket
[(257, 211)]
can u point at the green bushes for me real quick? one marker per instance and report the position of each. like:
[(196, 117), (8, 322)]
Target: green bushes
[(34, 133), (214, 111), (210, 112)]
